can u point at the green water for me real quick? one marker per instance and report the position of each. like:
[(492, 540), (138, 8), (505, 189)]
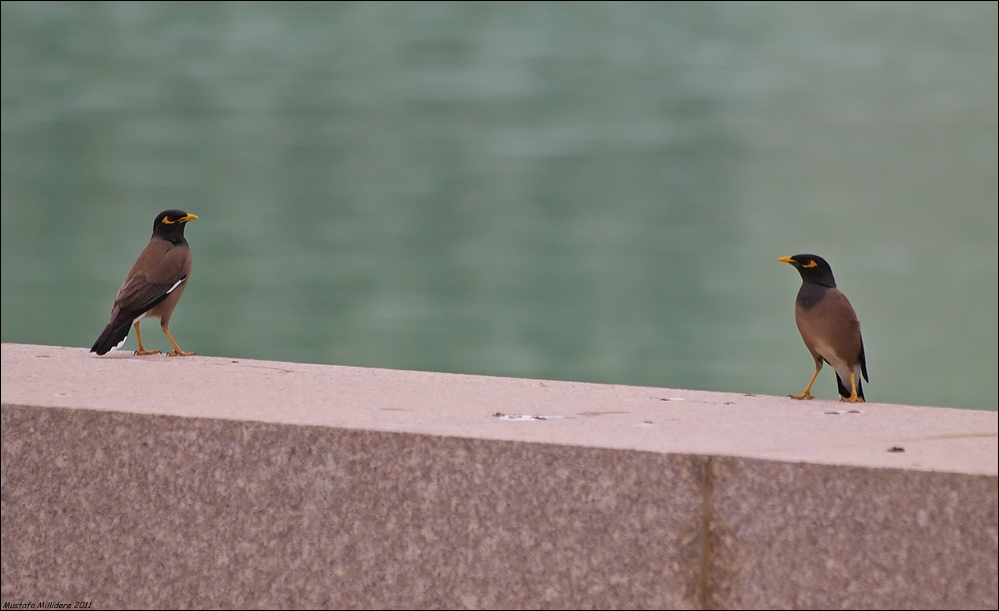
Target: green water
[(582, 192)]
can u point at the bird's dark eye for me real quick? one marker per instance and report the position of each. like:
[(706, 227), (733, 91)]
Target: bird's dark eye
[(811, 263), (166, 220)]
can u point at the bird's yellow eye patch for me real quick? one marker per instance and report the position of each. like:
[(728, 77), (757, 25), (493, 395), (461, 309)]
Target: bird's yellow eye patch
[(811, 263), (166, 219)]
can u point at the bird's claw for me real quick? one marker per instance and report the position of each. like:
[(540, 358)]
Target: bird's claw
[(145, 352), (180, 353), (806, 395)]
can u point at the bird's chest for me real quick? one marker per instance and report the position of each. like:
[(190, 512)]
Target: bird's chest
[(820, 339)]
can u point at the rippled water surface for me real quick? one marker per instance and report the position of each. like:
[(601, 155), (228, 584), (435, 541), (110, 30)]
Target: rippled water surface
[(585, 192)]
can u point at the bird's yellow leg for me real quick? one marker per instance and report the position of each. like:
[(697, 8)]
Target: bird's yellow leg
[(176, 349), (853, 398), (138, 336), (806, 394)]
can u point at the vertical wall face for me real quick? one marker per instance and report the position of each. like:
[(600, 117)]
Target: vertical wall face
[(817, 536), (152, 511), (133, 510)]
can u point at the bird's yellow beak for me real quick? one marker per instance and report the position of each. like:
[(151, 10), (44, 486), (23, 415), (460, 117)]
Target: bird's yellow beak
[(782, 259), (188, 217)]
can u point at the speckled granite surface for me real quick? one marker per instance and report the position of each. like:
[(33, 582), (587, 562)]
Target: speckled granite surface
[(805, 536), (207, 482), (155, 511)]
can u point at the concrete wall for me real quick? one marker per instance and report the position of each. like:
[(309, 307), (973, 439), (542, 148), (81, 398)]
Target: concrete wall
[(210, 482)]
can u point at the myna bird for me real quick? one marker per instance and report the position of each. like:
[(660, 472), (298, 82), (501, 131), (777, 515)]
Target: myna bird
[(153, 285), (829, 327)]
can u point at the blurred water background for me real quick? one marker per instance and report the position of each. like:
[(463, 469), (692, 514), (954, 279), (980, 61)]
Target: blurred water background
[(593, 192)]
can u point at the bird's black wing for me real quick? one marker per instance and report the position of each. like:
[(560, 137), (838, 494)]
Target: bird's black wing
[(863, 361), (136, 297)]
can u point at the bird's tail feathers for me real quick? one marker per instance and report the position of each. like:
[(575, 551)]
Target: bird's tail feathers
[(844, 385), (111, 338)]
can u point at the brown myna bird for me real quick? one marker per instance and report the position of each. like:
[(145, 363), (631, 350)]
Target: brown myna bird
[(153, 285), (829, 327)]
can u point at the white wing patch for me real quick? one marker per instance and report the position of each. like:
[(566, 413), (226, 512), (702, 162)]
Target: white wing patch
[(178, 283)]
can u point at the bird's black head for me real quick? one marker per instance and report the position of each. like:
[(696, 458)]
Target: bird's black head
[(169, 225), (812, 269)]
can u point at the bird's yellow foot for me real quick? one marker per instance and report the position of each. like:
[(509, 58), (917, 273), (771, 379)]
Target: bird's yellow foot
[(804, 395), (851, 400), (145, 352), (180, 353)]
